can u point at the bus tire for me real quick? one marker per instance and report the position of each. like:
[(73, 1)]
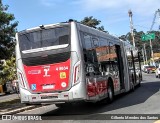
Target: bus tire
[(110, 92)]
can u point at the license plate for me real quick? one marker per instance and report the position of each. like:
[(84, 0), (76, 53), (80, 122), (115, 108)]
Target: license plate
[(48, 87), (48, 97)]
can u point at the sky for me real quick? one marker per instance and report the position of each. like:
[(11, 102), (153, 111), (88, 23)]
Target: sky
[(113, 14)]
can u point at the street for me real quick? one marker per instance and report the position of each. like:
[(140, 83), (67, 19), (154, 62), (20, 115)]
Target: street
[(144, 100), (80, 61)]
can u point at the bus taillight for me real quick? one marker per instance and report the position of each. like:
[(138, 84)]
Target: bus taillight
[(76, 72), (21, 79)]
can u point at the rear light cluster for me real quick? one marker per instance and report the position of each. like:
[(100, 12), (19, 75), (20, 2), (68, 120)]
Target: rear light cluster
[(76, 72), (21, 79)]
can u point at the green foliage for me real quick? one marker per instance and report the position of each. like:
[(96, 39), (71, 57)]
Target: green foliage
[(139, 43), (7, 32), (7, 44), (92, 22), (8, 71)]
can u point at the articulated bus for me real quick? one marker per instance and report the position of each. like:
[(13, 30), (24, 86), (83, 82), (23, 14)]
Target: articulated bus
[(68, 62)]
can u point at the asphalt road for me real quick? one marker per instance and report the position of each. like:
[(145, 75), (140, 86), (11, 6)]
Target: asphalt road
[(144, 100)]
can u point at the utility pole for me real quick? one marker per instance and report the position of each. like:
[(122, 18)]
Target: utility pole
[(153, 22), (157, 12), (159, 18), (131, 26), (145, 54), (152, 52)]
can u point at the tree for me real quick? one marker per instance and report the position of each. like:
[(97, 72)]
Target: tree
[(7, 32), (8, 72), (92, 22), (139, 43), (7, 44)]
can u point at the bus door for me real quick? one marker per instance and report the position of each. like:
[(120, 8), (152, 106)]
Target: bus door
[(139, 61), (134, 78), (120, 66)]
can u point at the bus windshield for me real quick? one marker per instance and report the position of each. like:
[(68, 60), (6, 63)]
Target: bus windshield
[(44, 38)]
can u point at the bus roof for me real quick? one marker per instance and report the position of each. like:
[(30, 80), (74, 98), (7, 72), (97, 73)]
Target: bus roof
[(97, 32), (45, 26)]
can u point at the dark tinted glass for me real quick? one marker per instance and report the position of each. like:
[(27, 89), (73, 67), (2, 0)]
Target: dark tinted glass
[(44, 38)]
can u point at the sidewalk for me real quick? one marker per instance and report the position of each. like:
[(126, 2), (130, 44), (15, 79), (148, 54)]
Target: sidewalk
[(8, 97), (2, 94)]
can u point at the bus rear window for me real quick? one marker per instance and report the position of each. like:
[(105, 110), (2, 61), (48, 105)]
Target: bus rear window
[(44, 38)]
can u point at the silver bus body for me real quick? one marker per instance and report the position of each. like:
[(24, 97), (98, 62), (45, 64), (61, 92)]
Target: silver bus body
[(73, 79)]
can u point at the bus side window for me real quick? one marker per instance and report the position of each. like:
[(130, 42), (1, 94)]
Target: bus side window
[(90, 55), (95, 42), (90, 67), (86, 45)]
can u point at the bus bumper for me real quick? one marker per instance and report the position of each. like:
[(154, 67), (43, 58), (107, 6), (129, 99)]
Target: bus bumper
[(27, 97)]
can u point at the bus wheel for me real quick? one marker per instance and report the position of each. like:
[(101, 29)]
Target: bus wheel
[(110, 93)]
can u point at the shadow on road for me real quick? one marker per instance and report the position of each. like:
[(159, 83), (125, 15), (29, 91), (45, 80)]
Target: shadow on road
[(139, 96)]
